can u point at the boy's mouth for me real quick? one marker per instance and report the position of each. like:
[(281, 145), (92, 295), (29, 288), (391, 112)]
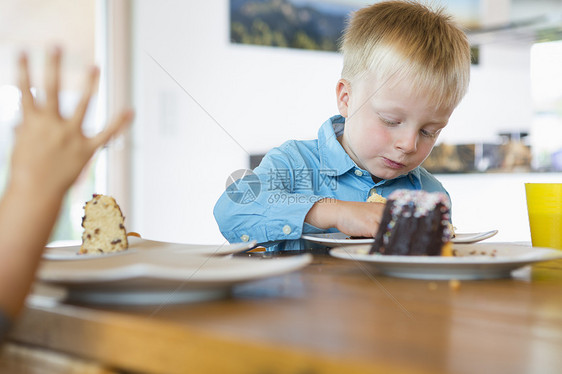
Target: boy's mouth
[(392, 164)]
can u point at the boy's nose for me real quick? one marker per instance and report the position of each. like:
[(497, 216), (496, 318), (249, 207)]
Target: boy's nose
[(406, 141)]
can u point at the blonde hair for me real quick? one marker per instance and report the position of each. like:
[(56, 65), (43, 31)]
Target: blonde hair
[(398, 40)]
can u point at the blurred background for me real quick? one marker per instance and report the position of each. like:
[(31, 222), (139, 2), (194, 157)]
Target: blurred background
[(216, 84)]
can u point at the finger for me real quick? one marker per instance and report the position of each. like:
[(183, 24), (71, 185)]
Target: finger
[(82, 106), (52, 80), (375, 228), (113, 128), (24, 84)]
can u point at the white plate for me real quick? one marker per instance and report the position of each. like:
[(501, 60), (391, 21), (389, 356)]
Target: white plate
[(473, 261), (473, 237), (137, 245), (154, 277), (337, 239)]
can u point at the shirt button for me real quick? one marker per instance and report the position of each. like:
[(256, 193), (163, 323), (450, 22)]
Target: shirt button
[(358, 172), (245, 238), (287, 229)]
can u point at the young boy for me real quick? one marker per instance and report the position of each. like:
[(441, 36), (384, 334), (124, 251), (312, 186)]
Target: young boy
[(405, 70)]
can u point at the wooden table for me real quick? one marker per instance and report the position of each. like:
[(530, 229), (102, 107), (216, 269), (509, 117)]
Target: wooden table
[(334, 316)]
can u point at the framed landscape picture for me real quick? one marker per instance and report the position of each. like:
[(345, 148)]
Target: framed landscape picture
[(313, 24)]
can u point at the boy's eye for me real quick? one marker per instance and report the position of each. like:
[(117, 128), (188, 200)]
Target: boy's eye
[(389, 122), (429, 134)]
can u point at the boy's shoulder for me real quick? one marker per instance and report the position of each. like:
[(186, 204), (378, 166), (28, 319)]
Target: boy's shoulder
[(423, 173), (296, 149), (310, 152), (428, 181), (292, 154)]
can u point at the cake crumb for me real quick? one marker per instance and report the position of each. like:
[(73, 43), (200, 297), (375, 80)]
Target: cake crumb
[(447, 250), (454, 284), (376, 198)]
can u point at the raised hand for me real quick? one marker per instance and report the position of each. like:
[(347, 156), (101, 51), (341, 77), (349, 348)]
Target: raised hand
[(49, 153), (51, 150)]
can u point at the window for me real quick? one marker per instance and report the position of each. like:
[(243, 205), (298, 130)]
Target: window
[(546, 83), (34, 26)]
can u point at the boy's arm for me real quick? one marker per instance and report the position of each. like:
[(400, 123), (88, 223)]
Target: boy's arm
[(49, 153), (350, 217), (275, 213)]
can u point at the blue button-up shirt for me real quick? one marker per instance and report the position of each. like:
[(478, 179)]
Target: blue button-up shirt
[(270, 205)]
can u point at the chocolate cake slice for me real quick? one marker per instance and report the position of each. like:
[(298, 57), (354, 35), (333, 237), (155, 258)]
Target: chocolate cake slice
[(414, 223)]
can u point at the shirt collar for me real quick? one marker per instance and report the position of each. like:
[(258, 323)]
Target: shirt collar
[(333, 158), (416, 173)]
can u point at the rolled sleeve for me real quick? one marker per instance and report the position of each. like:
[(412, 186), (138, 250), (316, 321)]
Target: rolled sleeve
[(274, 212), (269, 218)]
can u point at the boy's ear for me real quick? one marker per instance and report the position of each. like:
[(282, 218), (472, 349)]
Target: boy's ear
[(343, 93)]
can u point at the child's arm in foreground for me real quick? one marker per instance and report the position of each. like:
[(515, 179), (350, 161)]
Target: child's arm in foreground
[(49, 153), (350, 217)]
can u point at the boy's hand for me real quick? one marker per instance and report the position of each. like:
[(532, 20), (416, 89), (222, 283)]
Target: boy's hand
[(359, 218), (350, 217), (50, 151)]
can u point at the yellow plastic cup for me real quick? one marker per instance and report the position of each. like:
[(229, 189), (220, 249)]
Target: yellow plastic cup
[(544, 205)]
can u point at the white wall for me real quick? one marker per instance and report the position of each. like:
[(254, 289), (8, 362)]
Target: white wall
[(498, 98), (207, 107), (203, 105), (490, 201)]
